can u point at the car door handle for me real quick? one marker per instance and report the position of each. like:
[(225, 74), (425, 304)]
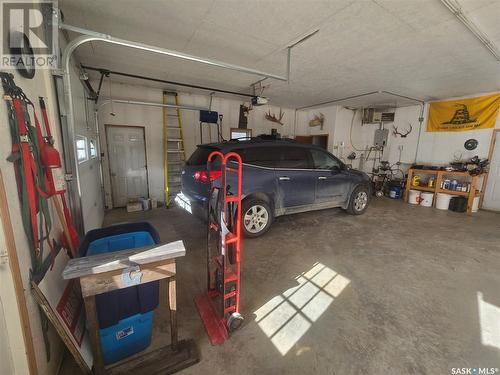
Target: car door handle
[(283, 178), (321, 178)]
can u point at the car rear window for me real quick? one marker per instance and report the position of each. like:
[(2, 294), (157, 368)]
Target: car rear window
[(200, 156)]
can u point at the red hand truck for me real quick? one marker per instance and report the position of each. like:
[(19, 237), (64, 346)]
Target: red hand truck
[(219, 308)]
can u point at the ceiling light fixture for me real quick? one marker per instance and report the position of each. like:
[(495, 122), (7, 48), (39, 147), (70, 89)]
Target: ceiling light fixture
[(456, 9)]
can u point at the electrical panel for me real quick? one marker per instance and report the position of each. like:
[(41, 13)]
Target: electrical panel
[(381, 136)]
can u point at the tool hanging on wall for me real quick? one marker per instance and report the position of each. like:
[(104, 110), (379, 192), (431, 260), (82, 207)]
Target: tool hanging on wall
[(56, 184), (29, 175), (31, 184), (219, 308), (174, 153)]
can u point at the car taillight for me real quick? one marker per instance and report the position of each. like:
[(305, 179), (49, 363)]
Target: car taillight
[(202, 176)]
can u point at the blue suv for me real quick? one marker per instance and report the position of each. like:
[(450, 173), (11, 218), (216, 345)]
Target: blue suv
[(280, 177)]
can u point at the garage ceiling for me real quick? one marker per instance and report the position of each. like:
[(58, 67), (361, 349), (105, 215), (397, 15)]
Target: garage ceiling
[(412, 47)]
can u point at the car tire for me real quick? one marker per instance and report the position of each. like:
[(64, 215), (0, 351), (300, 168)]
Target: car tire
[(358, 202), (256, 217)]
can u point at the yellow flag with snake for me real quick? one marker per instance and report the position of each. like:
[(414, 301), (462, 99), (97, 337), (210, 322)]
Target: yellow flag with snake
[(464, 114)]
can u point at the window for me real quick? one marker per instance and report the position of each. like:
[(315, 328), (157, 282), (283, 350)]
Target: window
[(323, 160), (276, 157), (295, 158), (262, 156), (81, 148), (93, 148), (200, 155), (238, 134)]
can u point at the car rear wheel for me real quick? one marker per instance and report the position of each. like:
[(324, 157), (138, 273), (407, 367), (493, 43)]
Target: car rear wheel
[(359, 200), (256, 217)]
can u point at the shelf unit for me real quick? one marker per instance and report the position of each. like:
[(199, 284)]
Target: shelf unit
[(439, 176)]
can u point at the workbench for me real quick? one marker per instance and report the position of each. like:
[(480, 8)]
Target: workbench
[(439, 176), (122, 269)]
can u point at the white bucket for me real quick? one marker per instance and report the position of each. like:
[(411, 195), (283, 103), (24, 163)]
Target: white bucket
[(414, 197), (475, 204), (426, 199), (443, 201), (154, 203)]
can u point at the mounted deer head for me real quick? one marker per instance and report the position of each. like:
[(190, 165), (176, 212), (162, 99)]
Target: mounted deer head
[(403, 135), (273, 117), (317, 121)]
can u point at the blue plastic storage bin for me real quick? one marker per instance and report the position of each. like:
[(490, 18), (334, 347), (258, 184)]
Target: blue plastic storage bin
[(125, 315), (129, 336)]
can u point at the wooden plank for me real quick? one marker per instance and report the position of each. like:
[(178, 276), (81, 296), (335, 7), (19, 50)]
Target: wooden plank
[(408, 184), (493, 140), (471, 194), (93, 329), (172, 306), (118, 260), (122, 278), (162, 361), (423, 188), (16, 278), (454, 192), (425, 171), (456, 173), (62, 220), (437, 187), (56, 323)]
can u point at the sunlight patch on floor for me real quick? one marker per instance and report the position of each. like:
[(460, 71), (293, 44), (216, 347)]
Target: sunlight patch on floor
[(288, 316), (489, 320)]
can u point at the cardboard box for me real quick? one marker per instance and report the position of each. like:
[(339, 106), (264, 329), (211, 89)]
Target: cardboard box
[(134, 206)]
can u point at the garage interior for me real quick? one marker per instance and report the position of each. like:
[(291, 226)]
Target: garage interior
[(407, 92)]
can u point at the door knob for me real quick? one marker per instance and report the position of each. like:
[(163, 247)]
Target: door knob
[(321, 178), (283, 178)]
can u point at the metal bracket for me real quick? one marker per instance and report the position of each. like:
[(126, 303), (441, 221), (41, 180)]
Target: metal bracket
[(68, 177), (57, 72)]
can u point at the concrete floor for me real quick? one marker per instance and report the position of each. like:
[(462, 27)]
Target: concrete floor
[(398, 290)]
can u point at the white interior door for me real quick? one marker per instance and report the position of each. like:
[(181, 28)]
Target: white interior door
[(127, 163), (492, 193)]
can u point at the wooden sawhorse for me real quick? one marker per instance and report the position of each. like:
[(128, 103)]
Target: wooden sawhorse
[(122, 269)]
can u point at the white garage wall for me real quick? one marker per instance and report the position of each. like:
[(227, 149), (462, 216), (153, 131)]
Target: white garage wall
[(152, 119), (342, 140), (433, 148)]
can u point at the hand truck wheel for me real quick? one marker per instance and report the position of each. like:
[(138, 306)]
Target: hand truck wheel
[(234, 321)]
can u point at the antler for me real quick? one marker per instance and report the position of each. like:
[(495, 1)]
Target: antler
[(396, 132), (273, 117)]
